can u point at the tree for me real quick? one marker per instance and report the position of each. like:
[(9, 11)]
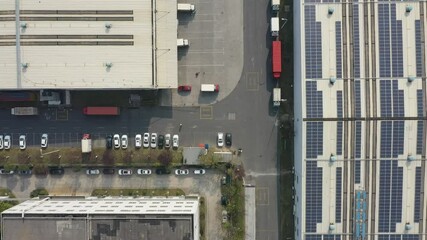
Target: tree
[(165, 158), (38, 192)]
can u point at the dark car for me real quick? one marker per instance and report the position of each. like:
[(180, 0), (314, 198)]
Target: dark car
[(184, 88), (57, 171), (25, 172), (108, 171), (161, 171), (109, 141), (228, 139), (161, 141), (224, 200)]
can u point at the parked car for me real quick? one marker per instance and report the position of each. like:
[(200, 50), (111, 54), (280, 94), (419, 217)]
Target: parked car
[(167, 140), (6, 172), (224, 200), (224, 216), (7, 142), (153, 141), (57, 171), (92, 171), (124, 141), (220, 139), (161, 171), (22, 142), (175, 141), (138, 140), (161, 141), (184, 88), (181, 172), (108, 171), (116, 139), (25, 172), (143, 171), (146, 141), (1, 141), (109, 140), (199, 171), (44, 140), (124, 172), (228, 139)]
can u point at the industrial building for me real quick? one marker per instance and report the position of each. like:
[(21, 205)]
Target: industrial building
[(71, 218), (360, 120), (73, 44)]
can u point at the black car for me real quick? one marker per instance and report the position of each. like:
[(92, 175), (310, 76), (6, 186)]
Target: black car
[(25, 172), (161, 171), (160, 141), (109, 141), (57, 171), (228, 139), (108, 171)]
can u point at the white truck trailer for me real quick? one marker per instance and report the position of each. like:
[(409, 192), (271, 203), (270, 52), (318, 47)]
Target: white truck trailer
[(25, 111), (182, 42), (274, 26), (275, 5), (209, 88), (86, 143), (277, 97), (186, 7)]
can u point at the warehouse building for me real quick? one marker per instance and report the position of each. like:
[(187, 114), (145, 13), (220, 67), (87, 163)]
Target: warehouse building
[(71, 218), (73, 44), (360, 120)]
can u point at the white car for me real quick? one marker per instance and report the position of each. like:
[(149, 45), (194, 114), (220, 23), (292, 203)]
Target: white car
[(167, 140), (92, 171), (153, 141), (182, 172), (44, 140), (1, 141), (220, 139), (7, 142), (124, 172), (143, 171), (22, 142), (5, 172), (138, 140), (199, 171), (124, 141), (116, 140), (146, 141), (175, 141)]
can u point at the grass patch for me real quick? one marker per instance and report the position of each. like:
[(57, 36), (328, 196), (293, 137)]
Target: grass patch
[(39, 192), (4, 205), (137, 192)]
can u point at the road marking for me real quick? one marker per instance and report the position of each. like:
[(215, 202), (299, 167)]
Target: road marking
[(252, 81), (261, 194), (232, 116), (62, 115), (206, 112)]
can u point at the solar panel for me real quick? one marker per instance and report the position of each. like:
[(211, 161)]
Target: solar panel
[(338, 192), (357, 104), (418, 49), (338, 48), (386, 136), (398, 101), (358, 150), (420, 126), (420, 103), (314, 139), (314, 100), (313, 43), (410, 237), (356, 41), (398, 138), (313, 205), (417, 202), (385, 98), (339, 137), (313, 237), (384, 39), (397, 44), (339, 104)]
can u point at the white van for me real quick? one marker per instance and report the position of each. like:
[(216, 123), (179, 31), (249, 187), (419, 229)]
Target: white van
[(209, 88)]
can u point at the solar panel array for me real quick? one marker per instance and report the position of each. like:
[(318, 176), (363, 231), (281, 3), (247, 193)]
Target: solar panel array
[(385, 98), (418, 49), (314, 100), (338, 48), (396, 43), (313, 188), (398, 138), (338, 194), (339, 123), (417, 202), (386, 136), (314, 139), (356, 40), (420, 124), (384, 39), (324, 237), (391, 96), (398, 237), (331, 237), (357, 98), (358, 150), (313, 43), (398, 100), (390, 199)]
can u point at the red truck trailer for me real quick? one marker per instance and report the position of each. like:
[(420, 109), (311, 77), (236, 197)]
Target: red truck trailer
[(277, 59), (113, 111)]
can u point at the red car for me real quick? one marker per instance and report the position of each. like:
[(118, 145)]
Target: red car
[(184, 88)]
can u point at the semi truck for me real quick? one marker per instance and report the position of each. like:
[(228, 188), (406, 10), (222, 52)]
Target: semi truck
[(86, 143), (275, 5), (277, 59), (274, 26), (110, 111), (186, 7), (25, 111), (209, 88), (277, 97), (182, 42)]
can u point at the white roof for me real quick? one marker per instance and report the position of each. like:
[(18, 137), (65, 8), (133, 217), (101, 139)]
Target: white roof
[(83, 66)]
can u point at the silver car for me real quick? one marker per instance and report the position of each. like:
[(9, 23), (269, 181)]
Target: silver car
[(92, 171), (124, 141), (153, 141), (116, 140), (220, 139), (138, 141), (7, 142), (146, 141), (175, 141), (182, 172), (167, 140), (22, 142), (1, 141), (143, 171), (44, 140), (124, 172), (199, 171)]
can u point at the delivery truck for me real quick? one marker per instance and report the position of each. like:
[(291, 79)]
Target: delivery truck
[(186, 7), (209, 88), (277, 59), (275, 5), (277, 97), (25, 111), (109, 111), (182, 42), (274, 26), (86, 143)]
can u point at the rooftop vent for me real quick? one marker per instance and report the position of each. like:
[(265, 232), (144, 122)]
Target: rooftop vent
[(331, 10)]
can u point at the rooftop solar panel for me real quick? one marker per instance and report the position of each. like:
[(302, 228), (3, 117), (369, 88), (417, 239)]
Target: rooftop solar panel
[(358, 151), (338, 48), (417, 201), (418, 49), (314, 189), (338, 194), (313, 43), (356, 41), (314, 139)]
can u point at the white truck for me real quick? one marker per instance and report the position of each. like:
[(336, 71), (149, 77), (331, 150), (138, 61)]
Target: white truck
[(182, 42), (209, 88), (25, 111), (274, 26), (86, 143), (275, 5), (186, 7), (277, 97)]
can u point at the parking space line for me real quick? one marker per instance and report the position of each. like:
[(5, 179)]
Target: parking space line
[(252, 81), (206, 112), (261, 194)]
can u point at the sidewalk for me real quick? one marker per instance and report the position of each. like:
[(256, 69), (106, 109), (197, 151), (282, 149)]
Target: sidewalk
[(250, 213)]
